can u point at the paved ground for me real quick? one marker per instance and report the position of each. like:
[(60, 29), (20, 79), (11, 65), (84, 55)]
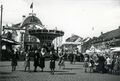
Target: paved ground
[(70, 73)]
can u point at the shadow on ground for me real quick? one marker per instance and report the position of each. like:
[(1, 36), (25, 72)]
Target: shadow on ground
[(5, 65), (72, 68), (64, 73), (56, 72), (77, 64), (6, 75), (31, 71)]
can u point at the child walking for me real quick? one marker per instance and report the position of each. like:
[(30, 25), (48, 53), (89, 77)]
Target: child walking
[(14, 59), (61, 59), (52, 62), (27, 61), (86, 60)]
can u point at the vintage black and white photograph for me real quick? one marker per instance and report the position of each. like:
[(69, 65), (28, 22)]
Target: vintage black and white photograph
[(59, 40)]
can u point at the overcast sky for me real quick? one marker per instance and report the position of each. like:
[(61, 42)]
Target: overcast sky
[(86, 18)]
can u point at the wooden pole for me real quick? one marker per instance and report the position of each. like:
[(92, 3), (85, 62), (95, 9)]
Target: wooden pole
[(1, 33)]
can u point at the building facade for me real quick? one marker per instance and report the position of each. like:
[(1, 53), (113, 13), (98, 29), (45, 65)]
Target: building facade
[(105, 41)]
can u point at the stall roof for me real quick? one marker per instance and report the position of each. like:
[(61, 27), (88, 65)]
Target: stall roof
[(115, 49), (7, 41)]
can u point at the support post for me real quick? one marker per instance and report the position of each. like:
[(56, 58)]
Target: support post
[(1, 33)]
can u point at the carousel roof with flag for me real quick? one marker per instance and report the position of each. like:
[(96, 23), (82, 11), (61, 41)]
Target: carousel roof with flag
[(31, 19), (34, 26)]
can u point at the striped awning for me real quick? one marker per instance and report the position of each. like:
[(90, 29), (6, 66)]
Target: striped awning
[(4, 40)]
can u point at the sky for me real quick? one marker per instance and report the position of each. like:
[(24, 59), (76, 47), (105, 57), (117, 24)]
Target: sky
[(85, 18)]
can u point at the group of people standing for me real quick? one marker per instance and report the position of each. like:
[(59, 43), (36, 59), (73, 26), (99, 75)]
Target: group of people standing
[(39, 59), (102, 63)]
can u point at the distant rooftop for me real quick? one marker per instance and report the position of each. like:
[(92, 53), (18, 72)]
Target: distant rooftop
[(74, 38), (111, 34)]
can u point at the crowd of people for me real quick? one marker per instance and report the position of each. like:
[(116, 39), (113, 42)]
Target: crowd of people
[(102, 63), (38, 59), (97, 62)]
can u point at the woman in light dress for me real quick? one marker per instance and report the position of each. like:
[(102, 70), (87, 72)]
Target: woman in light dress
[(61, 59), (42, 58), (27, 61), (86, 62)]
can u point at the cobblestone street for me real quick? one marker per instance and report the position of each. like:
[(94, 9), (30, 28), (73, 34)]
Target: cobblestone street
[(73, 72)]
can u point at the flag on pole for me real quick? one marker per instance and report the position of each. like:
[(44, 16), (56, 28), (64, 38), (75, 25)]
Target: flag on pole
[(31, 6)]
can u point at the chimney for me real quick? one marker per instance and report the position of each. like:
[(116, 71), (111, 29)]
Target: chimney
[(23, 17), (101, 33), (119, 27)]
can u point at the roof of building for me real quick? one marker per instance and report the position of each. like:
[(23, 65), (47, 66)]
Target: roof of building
[(74, 38), (114, 34), (9, 41), (30, 20), (111, 35), (16, 25)]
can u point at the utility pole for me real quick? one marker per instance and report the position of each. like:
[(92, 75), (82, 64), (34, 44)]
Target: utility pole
[(1, 33)]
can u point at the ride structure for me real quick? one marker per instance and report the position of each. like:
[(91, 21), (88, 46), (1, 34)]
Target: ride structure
[(33, 34), (46, 36), (34, 30)]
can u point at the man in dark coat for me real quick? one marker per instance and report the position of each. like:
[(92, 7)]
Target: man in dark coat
[(71, 56), (14, 59), (36, 60), (101, 62), (53, 57), (42, 58)]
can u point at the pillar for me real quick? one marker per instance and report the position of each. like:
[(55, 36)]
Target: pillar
[(1, 33)]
